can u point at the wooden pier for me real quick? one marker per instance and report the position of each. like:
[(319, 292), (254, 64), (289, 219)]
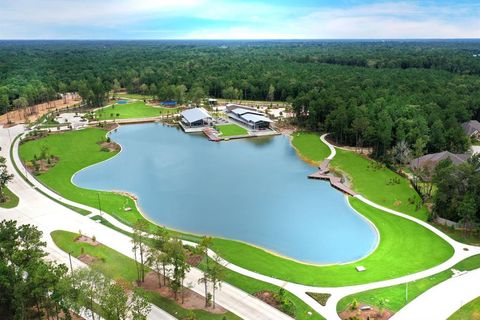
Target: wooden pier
[(335, 182), (212, 134), (323, 167)]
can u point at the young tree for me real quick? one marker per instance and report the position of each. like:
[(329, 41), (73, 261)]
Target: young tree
[(215, 275), (177, 257), (89, 284), (138, 307), (5, 178), (138, 240), (202, 249), (114, 301)]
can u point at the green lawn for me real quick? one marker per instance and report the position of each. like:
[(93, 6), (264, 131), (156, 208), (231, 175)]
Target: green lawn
[(119, 267), (76, 150), (379, 184), (469, 311), (12, 201), (396, 255), (252, 286), (137, 109), (395, 295), (231, 130), (405, 247), (310, 147)]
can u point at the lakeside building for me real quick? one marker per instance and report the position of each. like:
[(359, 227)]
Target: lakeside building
[(472, 129), (249, 116), (432, 160), (195, 118)]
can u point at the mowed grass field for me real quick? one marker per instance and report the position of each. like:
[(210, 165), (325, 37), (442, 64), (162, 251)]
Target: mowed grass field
[(131, 110), (231, 130), (405, 246), (77, 150), (379, 184), (470, 311), (310, 147), (395, 295), (116, 266)]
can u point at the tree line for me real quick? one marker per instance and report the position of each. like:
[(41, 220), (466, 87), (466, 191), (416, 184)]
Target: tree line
[(369, 94)]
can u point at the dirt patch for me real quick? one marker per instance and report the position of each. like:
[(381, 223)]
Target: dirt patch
[(85, 239), (87, 259), (192, 300), (32, 113), (110, 146), (374, 313)]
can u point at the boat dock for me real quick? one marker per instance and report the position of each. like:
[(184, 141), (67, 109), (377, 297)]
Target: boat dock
[(212, 134), (335, 182)]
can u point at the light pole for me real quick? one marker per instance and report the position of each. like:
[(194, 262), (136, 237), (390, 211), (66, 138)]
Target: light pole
[(99, 203), (70, 259), (406, 292)]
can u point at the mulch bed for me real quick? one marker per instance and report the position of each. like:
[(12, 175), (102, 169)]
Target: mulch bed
[(364, 315), (87, 259), (194, 259), (42, 164), (85, 239), (192, 300), (268, 297)]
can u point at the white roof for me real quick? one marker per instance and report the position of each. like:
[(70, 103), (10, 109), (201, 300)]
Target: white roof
[(241, 111), (255, 118), (195, 114)]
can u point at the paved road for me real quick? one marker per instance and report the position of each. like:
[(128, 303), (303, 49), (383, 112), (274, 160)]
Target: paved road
[(443, 300), (47, 215)]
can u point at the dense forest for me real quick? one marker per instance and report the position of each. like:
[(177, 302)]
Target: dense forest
[(371, 93)]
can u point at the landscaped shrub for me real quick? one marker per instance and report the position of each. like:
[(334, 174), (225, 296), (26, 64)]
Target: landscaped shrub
[(321, 298), (285, 304)]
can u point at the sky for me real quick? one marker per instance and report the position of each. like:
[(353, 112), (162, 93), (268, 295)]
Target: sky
[(243, 19)]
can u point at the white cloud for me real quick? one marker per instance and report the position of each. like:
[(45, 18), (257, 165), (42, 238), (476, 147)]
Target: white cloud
[(382, 20), (239, 19)]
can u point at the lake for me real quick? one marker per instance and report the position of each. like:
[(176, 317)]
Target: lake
[(251, 190)]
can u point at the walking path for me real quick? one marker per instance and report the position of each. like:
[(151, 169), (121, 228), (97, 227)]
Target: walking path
[(48, 215)]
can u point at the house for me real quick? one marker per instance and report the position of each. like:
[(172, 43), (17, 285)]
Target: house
[(432, 160), (250, 117), (195, 118), (472, 129)]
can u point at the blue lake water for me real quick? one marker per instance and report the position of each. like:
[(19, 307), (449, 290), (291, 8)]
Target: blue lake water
[(252, 190)]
